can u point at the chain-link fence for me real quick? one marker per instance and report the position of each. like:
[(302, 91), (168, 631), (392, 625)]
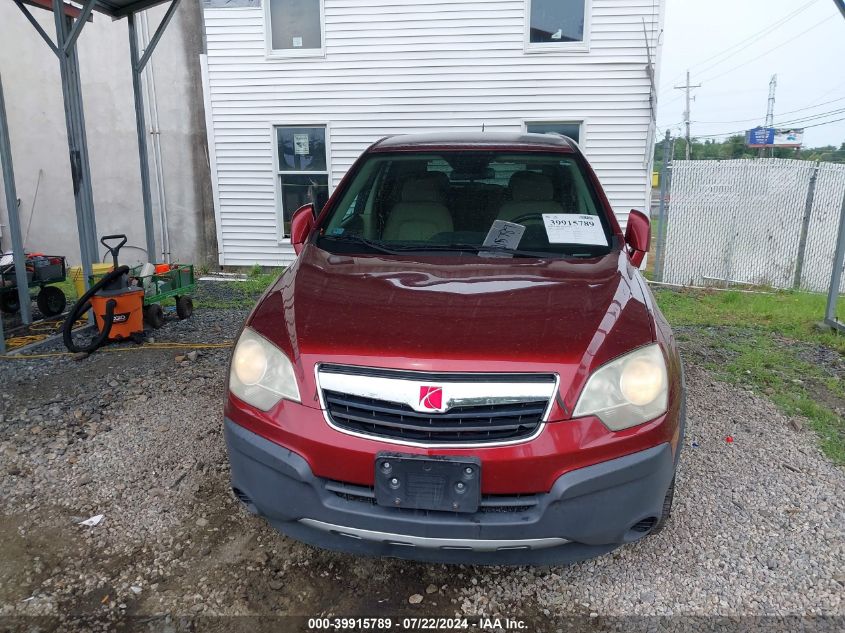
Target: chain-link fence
[(766, 222)]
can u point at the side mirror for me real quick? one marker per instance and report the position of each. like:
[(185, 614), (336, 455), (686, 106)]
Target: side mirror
[(637, 236), (300, 226)]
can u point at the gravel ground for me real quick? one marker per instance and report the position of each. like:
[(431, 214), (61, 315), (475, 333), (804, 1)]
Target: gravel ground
[(758, 526)]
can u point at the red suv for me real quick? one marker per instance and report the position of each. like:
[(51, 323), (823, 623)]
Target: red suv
[(462, 365)]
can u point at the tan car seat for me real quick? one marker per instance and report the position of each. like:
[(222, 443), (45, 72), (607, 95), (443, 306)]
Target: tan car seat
[(420, 212), (530, 192)]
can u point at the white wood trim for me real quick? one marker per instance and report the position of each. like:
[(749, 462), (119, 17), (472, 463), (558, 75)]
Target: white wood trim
[(563, 47), (582, 121), (292, 53)]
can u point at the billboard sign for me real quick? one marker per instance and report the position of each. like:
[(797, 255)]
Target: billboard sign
[(771, 137), (789, 138), (760, 137)]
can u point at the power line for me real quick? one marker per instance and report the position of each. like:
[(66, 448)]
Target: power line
[(738, 132), (793, 122), (824, 123), (774, 48), (760, 36), (782, 113), (773, 26), (810, 117)]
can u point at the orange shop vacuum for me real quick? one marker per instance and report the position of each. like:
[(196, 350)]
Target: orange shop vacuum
[(118, 307)]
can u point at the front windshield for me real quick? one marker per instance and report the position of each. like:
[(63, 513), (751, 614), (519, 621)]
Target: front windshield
[(476, 202)]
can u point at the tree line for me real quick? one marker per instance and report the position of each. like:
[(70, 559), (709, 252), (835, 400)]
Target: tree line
[(735, 147)]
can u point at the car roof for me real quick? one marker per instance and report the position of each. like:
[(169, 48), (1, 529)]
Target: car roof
[(476, 140)]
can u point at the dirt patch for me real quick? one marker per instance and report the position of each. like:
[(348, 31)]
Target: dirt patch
[(136, 436)]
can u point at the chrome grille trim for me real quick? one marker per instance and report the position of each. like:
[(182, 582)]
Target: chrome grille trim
[(427, 542), (464, 389)]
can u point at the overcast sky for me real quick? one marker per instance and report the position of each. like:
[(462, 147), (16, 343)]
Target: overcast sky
[(806, 49)]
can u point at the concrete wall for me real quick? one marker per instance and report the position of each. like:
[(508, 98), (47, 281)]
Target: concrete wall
[(30, 74)]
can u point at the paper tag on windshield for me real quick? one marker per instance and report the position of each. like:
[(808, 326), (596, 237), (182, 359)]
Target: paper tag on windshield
[(569, 228), (503, 235)]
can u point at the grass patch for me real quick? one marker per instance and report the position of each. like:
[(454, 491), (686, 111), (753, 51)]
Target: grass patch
[(790, 314), (766, 342), (235, 294)]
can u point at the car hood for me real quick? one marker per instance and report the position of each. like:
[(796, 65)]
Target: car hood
[(456, 313)]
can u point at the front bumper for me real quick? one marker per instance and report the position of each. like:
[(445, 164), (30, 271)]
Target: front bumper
[(587, 512)]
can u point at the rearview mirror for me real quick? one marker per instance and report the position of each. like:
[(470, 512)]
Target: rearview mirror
[(637, 236), (300, 226)]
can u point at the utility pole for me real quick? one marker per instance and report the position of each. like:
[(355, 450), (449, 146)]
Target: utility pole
[(687, 87), (660, 250), (770, 111)]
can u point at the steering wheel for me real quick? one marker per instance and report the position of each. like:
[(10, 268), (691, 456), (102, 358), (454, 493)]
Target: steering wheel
[(527, 216)]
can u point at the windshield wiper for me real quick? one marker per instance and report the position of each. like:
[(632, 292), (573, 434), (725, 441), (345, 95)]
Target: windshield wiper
[(357, 239), (398, 249), (516, 252)]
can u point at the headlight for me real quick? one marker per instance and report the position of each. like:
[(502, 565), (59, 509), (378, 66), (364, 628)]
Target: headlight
[(261, 374), (627, 391)]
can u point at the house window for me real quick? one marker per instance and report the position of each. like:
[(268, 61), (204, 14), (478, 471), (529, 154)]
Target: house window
[(302, 170), (295, 27), (572, 129), (556, 25)]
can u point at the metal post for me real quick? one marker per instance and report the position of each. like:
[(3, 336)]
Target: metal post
[(805, 228), (12, 207), (660, 247), (836, 275), (77, 142), (141, 129), (138, 62)]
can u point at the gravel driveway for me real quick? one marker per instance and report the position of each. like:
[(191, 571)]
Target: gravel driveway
[(758, 526)]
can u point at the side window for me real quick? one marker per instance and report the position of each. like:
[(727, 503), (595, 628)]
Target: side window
[(294, 27), (572, 129), (302, 170), (558, 25)]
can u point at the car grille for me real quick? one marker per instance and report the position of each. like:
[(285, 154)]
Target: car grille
[(466, 424)]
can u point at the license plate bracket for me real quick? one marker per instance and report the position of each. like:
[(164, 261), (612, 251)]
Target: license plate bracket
[(425, 482)]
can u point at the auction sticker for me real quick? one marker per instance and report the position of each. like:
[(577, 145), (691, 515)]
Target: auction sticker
[(569, 228), (300, 145)]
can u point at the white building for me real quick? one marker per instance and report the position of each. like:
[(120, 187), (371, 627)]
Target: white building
[(296, 89)]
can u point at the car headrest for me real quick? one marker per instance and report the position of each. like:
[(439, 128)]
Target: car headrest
[(530, 186), (422, 189)]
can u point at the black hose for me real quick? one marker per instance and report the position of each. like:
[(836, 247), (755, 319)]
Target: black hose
[(83, 305)]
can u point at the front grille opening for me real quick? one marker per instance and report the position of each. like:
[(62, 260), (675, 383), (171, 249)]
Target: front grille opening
[(644, 526), (468, 424), (489, 503), (244, 499)]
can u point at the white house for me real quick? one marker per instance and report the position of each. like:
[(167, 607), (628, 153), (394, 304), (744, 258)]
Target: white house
[(296, 89)]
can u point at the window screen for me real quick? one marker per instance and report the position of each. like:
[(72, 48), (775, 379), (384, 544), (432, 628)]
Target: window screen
[(302, 170), (556, 21), (571, 129), (295, 24)]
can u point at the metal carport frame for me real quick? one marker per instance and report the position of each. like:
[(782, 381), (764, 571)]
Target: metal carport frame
[(69, 22)]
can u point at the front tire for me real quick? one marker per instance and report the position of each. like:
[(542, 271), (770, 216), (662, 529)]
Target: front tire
[(51, 301), (154, 315), (9, 301), (184, 307)]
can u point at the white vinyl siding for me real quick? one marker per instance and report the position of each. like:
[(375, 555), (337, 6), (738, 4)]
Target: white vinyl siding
[(394, 67)]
